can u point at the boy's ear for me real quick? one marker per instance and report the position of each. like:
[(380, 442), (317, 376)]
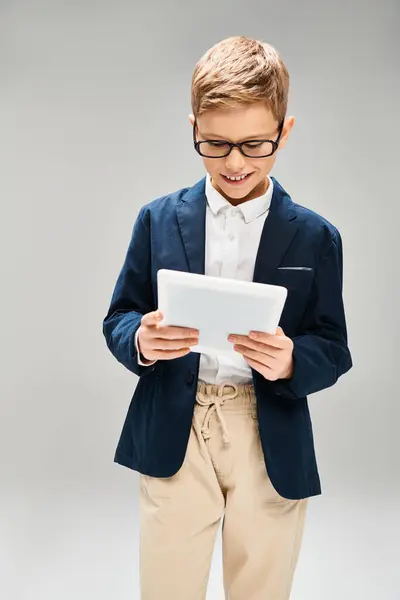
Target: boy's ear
[(191, 119), (288, 127), (286, 131)]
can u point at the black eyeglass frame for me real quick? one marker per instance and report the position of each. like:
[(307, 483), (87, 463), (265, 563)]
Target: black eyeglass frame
[(275, 144)]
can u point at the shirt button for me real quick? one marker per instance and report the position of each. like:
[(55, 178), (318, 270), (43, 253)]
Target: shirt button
[(231, 237)]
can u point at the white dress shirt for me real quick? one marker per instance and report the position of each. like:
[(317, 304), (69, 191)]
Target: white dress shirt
[(232, 240)]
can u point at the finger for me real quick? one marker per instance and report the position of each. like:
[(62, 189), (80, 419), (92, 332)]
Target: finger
[(276, 341), (246, 342), (264, 359), (152, 318), (167, 354), (265, 370), (173, 333), (156, 344)]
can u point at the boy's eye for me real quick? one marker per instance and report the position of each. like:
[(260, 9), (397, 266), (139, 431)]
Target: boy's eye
[(218, 144), (253, 144)]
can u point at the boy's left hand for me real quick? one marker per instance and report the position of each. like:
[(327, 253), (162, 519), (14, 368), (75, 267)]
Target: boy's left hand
[(270, 355)]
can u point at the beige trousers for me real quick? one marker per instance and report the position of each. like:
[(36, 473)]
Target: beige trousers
[(223, 475)]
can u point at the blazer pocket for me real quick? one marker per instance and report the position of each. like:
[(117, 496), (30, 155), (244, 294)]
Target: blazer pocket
[(297, 280), (295, 269)]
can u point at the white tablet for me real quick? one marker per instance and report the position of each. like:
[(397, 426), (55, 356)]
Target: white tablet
[(217, 307)]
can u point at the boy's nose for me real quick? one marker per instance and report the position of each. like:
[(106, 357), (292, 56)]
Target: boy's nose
[(235, 161)]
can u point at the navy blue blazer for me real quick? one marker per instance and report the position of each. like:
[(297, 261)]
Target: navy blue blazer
[(169, 233)]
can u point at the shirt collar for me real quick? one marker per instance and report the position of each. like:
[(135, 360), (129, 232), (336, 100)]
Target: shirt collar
[(251, 210)]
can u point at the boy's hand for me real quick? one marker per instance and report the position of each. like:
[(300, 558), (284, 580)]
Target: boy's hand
[(271, 355), (159, 342)]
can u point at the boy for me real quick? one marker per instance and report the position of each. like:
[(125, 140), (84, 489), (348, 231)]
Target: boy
[(212, 436)]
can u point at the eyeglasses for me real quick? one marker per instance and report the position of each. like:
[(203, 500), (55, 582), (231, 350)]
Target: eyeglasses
[(249, 148)]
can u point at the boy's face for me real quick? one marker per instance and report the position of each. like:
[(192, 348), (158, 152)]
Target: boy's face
[(236, 125)]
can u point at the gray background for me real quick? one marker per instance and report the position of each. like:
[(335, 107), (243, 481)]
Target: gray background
[(88, 91)]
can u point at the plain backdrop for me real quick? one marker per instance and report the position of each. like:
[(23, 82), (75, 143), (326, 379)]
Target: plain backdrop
[(94, 105)]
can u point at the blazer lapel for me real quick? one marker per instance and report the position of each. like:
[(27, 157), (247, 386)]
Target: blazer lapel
[(191, 215), (279, 230)]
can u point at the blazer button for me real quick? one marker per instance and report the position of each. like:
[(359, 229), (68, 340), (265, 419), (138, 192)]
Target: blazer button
[(189, 377)]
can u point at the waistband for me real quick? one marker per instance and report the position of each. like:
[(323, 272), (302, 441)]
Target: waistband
[(224, 395), (241, 392)]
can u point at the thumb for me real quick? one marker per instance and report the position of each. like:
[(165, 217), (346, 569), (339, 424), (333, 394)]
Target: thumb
[(279, 331), (152, 318)]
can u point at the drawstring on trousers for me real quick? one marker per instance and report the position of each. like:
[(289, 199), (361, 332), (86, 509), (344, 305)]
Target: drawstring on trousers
[(215, 402)]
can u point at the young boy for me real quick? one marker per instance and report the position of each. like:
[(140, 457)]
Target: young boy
[(212, 436)]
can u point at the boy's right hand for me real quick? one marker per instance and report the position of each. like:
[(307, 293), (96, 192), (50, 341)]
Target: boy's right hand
[(163, 342)]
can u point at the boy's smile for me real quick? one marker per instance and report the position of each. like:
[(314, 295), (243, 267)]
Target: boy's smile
[(236, 180), (237, 177)]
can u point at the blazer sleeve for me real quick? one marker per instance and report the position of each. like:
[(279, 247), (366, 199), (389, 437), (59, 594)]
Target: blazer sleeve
[(132, 298), (320, 354)]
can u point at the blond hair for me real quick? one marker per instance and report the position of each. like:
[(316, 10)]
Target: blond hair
[(240, 71)]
